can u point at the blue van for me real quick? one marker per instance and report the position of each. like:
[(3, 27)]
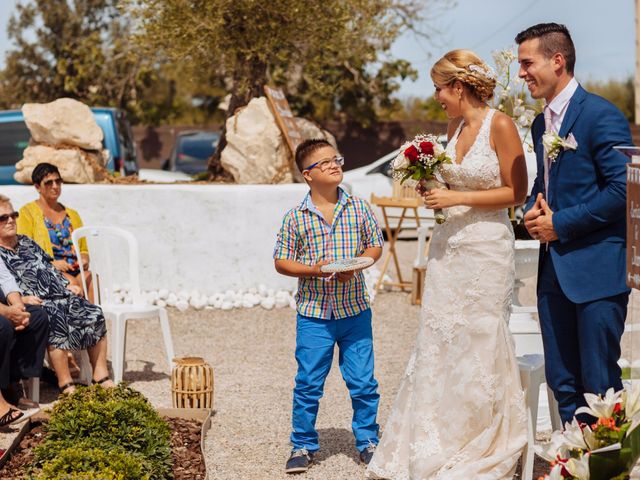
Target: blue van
[(118, 140)]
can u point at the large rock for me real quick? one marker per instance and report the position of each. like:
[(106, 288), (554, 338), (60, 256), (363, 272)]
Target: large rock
[(256, 151), (75, 165), (63, 122), (309, 129)]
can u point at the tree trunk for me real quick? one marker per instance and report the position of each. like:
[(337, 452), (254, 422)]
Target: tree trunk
[(248, 82)]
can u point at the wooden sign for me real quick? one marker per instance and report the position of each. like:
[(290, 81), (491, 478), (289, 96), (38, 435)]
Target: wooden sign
[(284, 118), (633, 226)]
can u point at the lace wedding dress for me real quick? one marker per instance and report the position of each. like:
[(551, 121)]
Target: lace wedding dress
[(460, 412)]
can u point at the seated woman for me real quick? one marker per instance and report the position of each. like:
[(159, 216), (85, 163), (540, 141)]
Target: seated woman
[(50, 224), (74, 323)]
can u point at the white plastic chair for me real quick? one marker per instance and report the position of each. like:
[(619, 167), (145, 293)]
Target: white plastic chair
[(100, 241), (525, 331)]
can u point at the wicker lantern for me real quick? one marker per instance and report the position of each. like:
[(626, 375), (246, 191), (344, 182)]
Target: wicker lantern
[(192, 383)]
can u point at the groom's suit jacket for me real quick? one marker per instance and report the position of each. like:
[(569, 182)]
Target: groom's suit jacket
[(587, 193)]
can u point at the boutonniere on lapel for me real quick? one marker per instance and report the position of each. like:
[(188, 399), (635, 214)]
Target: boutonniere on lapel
[(554, 144)]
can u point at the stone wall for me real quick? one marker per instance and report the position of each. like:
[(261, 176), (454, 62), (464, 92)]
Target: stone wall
[(210, 238)]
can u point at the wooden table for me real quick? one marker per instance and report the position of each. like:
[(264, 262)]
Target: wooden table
[(408, 208)]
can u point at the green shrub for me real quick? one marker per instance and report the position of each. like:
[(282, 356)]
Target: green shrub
[(93, 463), (112, 420)]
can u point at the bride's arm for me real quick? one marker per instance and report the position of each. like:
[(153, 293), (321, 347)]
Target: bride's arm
[(513, 171)]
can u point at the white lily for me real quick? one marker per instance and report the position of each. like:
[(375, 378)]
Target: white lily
[(579, 468), (557, 447), (573, 435), (555, 473), (590, 438), (601, 407), (632, 400)]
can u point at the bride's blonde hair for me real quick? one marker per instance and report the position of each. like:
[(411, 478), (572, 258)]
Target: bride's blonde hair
[(468, 68)]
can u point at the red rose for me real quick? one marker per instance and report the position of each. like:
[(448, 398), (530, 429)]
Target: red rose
[(412, 154), (427, 148)]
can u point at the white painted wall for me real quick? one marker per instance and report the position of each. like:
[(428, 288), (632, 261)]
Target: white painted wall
[(209, 238)]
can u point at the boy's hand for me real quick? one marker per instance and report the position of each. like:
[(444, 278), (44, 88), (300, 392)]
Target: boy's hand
[(316, 272), (344, 277)]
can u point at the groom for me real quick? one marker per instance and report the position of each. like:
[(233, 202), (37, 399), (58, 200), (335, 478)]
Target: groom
[(577, 210)]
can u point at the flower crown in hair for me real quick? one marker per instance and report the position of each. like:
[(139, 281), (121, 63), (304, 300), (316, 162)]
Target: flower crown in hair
[(484, 71)]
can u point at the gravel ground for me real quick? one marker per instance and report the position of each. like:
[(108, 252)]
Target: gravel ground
[(252, 355)]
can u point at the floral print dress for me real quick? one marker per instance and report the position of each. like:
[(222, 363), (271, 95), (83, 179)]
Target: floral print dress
[(60, 237), (74, 323)]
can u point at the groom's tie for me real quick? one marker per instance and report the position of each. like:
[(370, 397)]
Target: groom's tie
[(548, 127)]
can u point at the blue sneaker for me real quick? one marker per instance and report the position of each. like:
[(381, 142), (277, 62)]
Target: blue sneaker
[(299, 461)]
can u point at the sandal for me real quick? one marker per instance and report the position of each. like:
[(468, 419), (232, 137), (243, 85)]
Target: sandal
[(101, 381), (10, 417), (63, 389)]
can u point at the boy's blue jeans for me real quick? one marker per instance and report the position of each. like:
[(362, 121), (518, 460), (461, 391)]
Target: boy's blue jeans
[(315, 340)]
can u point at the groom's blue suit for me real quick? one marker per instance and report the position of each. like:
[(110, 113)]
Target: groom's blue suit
[(582, 295)]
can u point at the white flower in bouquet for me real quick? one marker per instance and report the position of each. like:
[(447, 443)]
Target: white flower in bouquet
[(555, 473), (631, 401), (601, 407), (579, 467), (557, 447), (401, 162), (573, 436)]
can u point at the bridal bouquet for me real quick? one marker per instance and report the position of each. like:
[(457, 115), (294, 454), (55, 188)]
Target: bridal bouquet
[(418, 162), (606, 450)]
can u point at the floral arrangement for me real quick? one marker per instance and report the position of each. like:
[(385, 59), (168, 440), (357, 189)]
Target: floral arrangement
[(606, 450), (418, 162), (554, 144), (511, 95)]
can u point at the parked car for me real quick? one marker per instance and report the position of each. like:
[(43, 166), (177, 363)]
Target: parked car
[(192, 151), (118, 140), (375, 178)]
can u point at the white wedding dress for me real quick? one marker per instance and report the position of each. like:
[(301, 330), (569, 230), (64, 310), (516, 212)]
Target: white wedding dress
[(460, 411)]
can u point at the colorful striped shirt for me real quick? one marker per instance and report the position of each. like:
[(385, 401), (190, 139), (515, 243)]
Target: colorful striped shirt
[(307, 238)]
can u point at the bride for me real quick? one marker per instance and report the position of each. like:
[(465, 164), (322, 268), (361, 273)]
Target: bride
[(460, 412)]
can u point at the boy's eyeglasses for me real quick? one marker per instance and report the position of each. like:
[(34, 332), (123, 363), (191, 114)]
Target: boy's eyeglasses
[(48, 183), (326, 164), (5, 218)]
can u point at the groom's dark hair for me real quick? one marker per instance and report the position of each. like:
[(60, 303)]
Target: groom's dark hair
[(554, 38)]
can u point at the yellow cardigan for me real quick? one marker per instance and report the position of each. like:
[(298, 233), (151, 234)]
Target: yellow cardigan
[(31, 223)]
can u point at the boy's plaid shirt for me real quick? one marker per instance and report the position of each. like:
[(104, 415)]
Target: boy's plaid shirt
[(308, 239)]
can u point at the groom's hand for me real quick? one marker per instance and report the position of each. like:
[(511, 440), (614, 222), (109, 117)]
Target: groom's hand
[(531, 217), (542, 228)]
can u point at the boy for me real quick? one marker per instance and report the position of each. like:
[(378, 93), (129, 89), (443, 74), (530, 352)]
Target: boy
[(329, 225)]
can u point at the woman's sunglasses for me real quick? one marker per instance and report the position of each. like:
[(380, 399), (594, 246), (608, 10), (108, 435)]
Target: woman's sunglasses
[(5, 218), (48, 183)]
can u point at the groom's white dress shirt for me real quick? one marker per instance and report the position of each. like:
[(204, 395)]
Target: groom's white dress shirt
[(554, 113), (559, 105), (8, 284)]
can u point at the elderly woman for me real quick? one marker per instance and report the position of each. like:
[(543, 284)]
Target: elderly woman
[(74, 323), (49, 224)]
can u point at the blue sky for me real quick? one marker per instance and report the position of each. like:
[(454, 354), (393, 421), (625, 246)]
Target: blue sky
[(602, 30)]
